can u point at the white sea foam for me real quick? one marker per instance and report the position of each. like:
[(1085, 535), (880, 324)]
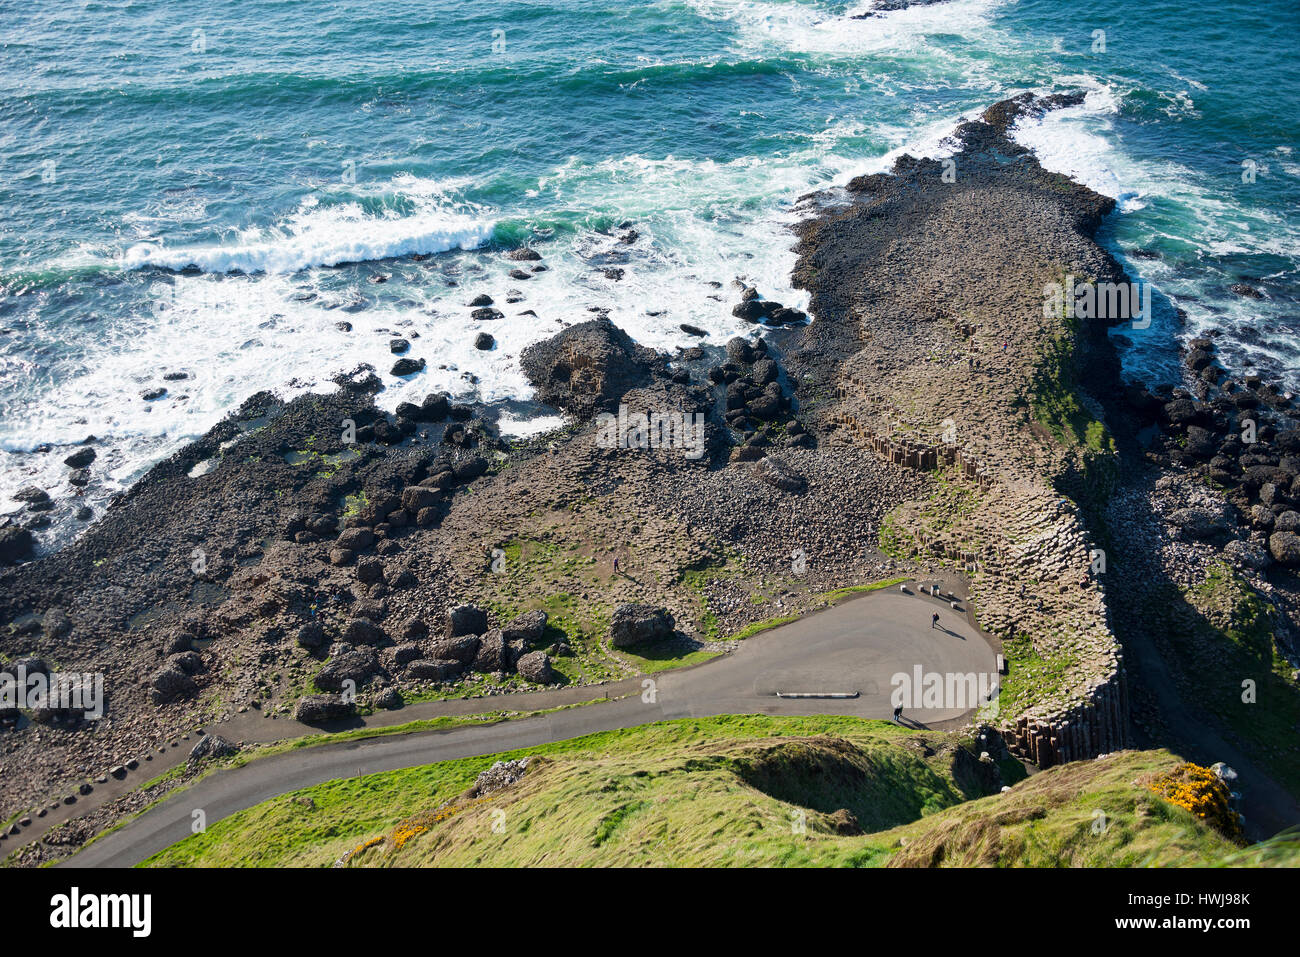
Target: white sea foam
[(327, 235), (807, 28), (1078, 141), (514, 427)]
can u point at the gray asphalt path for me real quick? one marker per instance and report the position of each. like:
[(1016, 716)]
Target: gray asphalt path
[(854, 648)]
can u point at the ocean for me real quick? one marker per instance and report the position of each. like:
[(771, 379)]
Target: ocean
[(262, 195)]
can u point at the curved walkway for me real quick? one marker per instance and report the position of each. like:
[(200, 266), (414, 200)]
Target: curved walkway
[(854, 648)]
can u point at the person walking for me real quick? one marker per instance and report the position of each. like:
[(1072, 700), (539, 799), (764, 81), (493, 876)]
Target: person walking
[(616, 565), (898, 714), (934, 620)]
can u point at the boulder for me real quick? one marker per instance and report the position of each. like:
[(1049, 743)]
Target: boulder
[(765, 371), (55, 623), (211, 746), (187, 661), (434, 669), (1285, 548), (1201, 524), (527, 628), (319, 708), (1288, 521), (311, 636), (80, 458), (407, 366), (363, 631), (407, 652), (170, 683), (463, 648), (491, 653), (502, 774), (435, 407), (357, 666), (414, 629), (355, 539), (470, 468), (634, 624), (740, 350), (1246, 555), (16, 544), (587, 367), (465, 620), (536, 667), (778, 473), (1201, 443)]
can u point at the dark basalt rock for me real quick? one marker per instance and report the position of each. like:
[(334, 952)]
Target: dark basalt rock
[(588, 367), (778, 473), (491, 653), (463, 648), (358, 666), (211, 746), (527, 628), (80, 458), (320, 708), (405, 366), (363, 631), (536, 666), (465, 620), (311, 636), (171, 683), (635, 624), (404, 654), (434, 669), (1285, 548), (16, 544)]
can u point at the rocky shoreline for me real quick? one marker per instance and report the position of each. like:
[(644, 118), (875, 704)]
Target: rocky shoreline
[(932, 420)]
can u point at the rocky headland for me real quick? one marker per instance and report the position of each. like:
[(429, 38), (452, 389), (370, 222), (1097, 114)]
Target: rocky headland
[(932, 420)]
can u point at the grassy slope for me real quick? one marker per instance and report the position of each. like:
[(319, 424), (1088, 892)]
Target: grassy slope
[(734, 790)]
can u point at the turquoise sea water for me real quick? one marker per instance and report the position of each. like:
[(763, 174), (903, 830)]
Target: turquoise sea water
[(293, 153)]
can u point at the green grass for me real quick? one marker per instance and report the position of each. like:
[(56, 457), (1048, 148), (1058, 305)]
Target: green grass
[(1083, 814), (1030, 676), (752, 629), (1054, 402), (831, 597), (736, 790), (649, 661), (285, 832)]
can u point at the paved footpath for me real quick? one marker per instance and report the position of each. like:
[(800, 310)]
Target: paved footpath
[(854, 648)]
